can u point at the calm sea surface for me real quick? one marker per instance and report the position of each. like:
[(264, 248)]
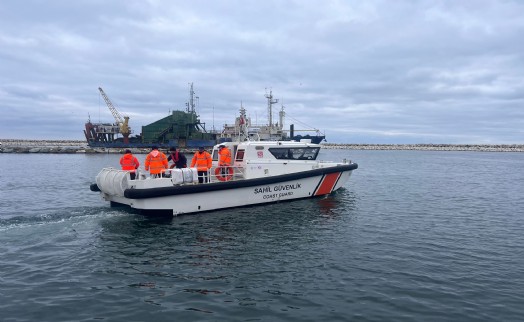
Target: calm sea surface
[(413, 236)]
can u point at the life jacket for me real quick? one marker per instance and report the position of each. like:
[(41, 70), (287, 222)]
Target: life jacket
[(129, 162), (174, 157), (225, 157), (179, 160), (156, 162), (202, 161)]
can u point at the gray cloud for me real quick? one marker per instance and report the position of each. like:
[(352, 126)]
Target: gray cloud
[(363, 72)]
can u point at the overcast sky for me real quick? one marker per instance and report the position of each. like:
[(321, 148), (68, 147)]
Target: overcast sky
[(360, 71)]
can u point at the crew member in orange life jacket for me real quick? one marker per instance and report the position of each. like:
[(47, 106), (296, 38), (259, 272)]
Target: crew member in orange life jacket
[(179, 159), (224, 159), (203, 162), (129, 163), (224, 156), (156, 162)]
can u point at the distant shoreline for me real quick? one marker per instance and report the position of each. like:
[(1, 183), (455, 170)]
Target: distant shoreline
[(78, 146)]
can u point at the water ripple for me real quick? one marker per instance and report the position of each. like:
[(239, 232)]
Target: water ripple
[(413, 236)]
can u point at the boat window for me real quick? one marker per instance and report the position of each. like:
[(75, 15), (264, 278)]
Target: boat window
[(215, 155), (259, 147), (240, 155), (307, 153)]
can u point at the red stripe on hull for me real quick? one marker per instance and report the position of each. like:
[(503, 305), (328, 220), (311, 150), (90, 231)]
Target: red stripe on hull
[(327, 184)]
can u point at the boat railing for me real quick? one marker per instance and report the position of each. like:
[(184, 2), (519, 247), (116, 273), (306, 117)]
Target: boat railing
[(226, 173), (215, 174)]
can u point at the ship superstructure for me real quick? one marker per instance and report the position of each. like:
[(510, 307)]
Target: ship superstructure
[(179, 128), (266, 132)]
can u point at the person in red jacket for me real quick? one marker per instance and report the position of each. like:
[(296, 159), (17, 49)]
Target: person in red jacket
[(156, 162), (130, 163)]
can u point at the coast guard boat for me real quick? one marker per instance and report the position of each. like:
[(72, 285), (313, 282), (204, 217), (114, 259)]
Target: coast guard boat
[(261, 172)]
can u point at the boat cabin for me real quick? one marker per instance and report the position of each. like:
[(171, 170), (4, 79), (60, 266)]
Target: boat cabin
[(253, 159)]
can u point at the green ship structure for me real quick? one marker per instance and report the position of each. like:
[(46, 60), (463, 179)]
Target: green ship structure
[(181, 129)]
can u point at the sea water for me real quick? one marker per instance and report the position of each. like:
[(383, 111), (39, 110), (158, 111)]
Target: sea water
[(413, 236)]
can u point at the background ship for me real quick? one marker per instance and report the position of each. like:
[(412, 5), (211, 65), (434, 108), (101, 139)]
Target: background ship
[(180, 128), (185, 130), (266, 132)]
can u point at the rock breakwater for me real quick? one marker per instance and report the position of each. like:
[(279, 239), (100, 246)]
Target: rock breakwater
[(431, 147), (50, 146), (77, 146)]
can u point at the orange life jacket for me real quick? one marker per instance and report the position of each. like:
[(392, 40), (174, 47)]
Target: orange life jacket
[(156, 162), (225, 157), (202, 161), (129, 162)]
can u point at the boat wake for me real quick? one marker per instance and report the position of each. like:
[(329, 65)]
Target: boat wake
[(69, 215)]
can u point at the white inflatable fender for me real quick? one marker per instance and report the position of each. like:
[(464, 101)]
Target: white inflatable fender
[(113, 181), (184, 175)]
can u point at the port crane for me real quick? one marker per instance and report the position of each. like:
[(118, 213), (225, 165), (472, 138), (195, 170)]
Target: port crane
[(121, 121)]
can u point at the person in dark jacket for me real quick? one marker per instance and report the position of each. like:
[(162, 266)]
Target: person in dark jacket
[(178, 158)]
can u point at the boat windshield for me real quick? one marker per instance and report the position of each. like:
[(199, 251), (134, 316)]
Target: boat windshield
[(308, 153)]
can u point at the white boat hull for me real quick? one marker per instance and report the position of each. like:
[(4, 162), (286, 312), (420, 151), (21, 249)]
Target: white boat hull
[(212, 196), (260, 172)]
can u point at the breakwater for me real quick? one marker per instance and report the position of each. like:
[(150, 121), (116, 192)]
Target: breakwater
[(64, 146), (77, 146), (430, 147), (53, 146)]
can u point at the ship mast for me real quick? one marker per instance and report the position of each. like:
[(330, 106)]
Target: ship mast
[(242, 124), (281, 116), (270, 102), (190, 104), (193, 101)]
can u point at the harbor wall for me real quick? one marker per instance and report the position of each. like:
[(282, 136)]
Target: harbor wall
[(77, 146), (430, 147)]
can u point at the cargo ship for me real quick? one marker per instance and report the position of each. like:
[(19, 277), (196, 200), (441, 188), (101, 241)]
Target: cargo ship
[(181, 128)]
